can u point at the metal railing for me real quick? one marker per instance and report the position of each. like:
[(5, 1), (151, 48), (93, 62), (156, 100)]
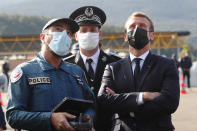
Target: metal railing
[(31, 43)]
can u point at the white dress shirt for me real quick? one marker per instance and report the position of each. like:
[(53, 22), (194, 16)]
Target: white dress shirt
[(133, 64), (143, 57), (95, 58)]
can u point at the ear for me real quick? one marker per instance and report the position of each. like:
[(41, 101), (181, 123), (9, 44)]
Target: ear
[(100, 34), (76, 33), (152, 36), (42, 36), (125, 37)]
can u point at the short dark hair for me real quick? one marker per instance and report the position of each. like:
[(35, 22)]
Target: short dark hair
[(141, 14)]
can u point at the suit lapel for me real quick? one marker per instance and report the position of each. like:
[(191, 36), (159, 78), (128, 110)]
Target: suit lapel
[(79, 61), (129, 73), (148, 64), (100, 66)]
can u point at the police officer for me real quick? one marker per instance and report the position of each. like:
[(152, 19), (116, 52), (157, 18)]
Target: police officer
[(90, 57), (39, 85)]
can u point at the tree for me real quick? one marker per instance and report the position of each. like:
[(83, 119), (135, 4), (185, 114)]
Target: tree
[(185, 48)]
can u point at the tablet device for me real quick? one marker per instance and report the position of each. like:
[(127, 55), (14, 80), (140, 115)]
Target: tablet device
[(73, 106)]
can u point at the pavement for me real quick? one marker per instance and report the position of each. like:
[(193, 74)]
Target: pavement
[(184, 119)]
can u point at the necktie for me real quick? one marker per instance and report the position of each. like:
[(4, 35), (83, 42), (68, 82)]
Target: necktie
[(90, 70), (137, 71)]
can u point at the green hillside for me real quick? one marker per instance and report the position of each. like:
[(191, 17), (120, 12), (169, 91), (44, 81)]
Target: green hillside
[(20, 25), (27, 25)]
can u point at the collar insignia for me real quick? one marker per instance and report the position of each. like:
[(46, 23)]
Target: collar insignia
[(104, 59)]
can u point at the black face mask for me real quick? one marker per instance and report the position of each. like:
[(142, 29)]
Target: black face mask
[(138, 38)]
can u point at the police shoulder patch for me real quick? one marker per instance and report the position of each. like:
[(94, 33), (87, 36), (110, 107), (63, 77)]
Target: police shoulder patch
[(16, 75)]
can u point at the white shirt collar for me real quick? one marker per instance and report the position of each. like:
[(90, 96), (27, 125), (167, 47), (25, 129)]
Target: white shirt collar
[(94, 57), (143, 56)]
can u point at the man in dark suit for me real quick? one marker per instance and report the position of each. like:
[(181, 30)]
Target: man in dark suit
[(186, 64), (141, 72), (90, 57)]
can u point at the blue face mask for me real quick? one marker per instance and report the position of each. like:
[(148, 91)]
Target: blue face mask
[(60, 43)]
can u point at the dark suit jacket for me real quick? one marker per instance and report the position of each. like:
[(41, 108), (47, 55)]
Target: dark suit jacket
[(104, 59), (158, 74)]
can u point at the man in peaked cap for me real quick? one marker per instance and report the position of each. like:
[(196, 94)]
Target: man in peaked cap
[(90, 57)]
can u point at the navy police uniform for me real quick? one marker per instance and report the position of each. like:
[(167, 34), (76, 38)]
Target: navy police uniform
[(37, 87), (104, 59), (91, 15)]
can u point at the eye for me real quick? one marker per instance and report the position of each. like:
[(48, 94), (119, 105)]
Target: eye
[(93, 30), (132, 27), (83, 30), (143, 26), (59, 28)]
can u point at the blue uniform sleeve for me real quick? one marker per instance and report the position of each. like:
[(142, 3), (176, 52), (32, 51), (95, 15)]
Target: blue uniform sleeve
[(18, 113)]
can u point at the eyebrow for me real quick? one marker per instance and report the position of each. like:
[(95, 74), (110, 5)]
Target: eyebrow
[(59, 25), (144, 24)]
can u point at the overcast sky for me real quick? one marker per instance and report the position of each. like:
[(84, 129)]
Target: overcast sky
[(162, 12)]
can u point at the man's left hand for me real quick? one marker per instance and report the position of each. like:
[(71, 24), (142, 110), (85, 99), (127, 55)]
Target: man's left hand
[(110, 91)]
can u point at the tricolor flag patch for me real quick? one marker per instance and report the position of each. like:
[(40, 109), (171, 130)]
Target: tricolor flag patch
[(16, 75)]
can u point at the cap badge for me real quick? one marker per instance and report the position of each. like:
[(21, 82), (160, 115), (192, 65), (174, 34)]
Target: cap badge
[(88, 16), (89, 12)]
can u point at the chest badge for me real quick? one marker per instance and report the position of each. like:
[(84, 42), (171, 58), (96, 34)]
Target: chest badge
[(39, 80), (78, 79)]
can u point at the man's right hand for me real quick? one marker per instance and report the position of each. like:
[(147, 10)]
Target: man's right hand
[(59, 121), (147, 96)]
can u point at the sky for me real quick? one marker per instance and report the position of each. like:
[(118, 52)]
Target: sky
[(165, 13)]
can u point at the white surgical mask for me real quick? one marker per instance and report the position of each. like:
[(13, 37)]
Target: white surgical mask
[(88, 41), (60, 43)]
